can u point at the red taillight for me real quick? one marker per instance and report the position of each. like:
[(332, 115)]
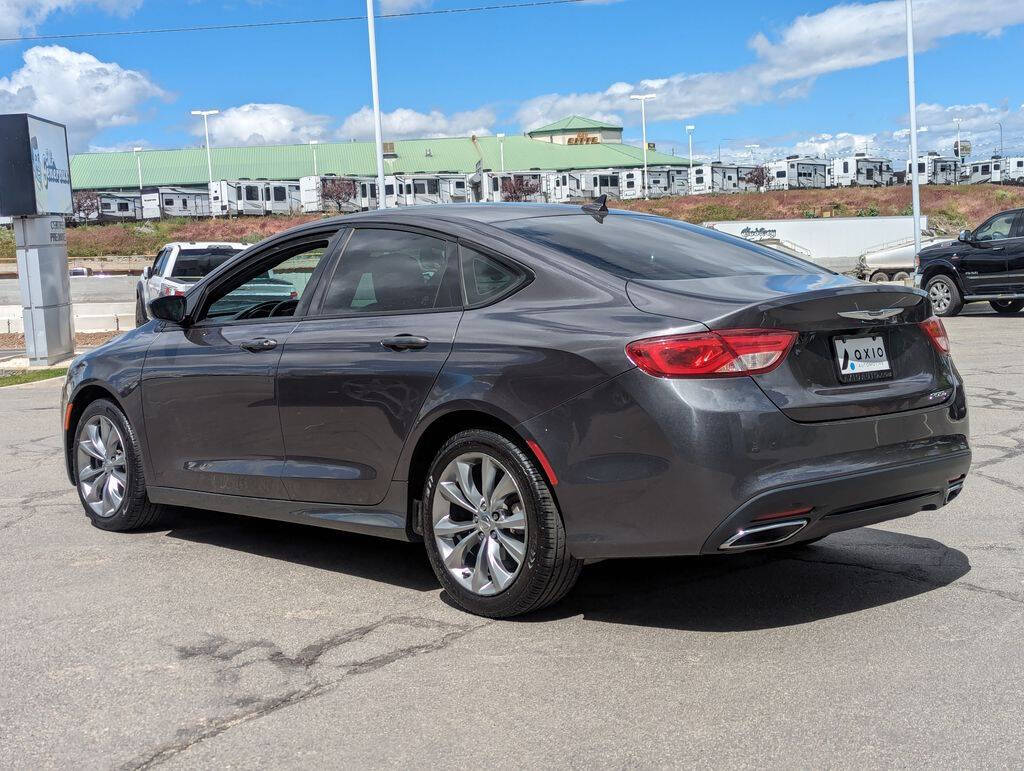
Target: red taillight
[(725, 353), (936, 332)]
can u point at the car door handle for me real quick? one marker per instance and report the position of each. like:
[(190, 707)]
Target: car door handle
[(260, 344), (405, 342)]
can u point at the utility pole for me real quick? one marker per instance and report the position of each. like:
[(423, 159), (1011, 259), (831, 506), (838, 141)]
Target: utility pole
[(959, 149), (138, 164), (209, 160), (915, 183), (642, 98), (689, 171), (381, 198), (316, 171)]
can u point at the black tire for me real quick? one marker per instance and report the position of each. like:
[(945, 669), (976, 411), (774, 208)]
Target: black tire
[(878, 277), (1007, 306), (547, 572), (943, 285), (135, 510), (140, 311)]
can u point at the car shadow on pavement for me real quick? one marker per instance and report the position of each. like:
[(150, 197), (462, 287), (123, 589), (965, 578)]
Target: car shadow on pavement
[(377, 559), (845, 573)]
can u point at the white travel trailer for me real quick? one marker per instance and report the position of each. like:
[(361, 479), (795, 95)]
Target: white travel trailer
[(116, 206), (255, 197), (993, 169), (701, 182), (935, 169), (183, 202), (799, 172), (862, 170), (1013, 169)]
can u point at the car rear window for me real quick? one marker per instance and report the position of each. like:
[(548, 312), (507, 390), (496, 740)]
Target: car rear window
[(196, 263), (654, 248)]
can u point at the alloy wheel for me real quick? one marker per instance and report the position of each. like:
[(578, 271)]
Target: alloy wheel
[(940, 295), (480, 525), (102, 467)]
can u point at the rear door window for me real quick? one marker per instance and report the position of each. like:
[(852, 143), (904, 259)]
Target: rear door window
[(196, 263), (654, 248), (390, 271)]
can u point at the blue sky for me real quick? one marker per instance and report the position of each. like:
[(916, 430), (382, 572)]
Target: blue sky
[(789, 76)]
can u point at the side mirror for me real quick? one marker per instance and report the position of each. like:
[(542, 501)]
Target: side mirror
[(147, 271), (169, 308), (965, 236)]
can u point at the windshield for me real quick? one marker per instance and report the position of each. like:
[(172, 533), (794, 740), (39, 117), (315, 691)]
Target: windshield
[(654, 248), (196, 263)]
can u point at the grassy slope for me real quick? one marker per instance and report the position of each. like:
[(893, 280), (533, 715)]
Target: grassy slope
[(949, 209)]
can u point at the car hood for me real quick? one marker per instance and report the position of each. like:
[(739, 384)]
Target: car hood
[(946, 249)]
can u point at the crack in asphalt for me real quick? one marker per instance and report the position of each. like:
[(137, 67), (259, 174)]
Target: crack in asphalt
[(218, 648)]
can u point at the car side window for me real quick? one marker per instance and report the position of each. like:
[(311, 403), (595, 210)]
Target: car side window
[(486, 278), (160, 261), (389, 271), (997, 228), (270, 288)]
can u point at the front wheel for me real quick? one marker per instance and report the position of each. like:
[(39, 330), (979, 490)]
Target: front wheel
[(945, 297), (493, 532), (108, 470), (1007, 306)]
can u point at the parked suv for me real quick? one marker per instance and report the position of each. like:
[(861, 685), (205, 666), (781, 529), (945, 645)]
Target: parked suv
[(177, 266), (984, 264)]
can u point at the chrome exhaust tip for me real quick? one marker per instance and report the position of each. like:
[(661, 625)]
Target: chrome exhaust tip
[(764, 535)]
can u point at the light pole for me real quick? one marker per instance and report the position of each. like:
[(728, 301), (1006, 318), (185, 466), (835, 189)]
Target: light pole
[(313, 143), (915, 183), (138, 164), (642, 98), (959, 149), (381, 198), (209, 160), (1000, 124), (689, 171), (501, 151)]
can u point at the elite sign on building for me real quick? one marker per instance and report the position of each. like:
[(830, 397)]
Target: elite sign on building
[(35, 173)]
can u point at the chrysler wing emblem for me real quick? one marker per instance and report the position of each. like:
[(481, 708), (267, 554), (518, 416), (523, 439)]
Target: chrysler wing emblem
[(882, 313)]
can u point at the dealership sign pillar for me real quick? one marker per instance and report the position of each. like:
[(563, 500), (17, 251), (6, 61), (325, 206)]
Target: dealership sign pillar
[(35, 189)]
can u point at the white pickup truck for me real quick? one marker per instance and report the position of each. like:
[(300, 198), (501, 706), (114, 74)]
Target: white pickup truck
[(177, 266)]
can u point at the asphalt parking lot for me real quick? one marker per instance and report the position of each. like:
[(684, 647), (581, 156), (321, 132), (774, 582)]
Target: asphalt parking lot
[(224, 641)]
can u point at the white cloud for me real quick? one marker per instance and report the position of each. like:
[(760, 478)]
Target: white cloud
[(264, 124), (22, 16), (404, 123), (936, 132), (401, 6), (120, 147), (839, 38), (77, 89)]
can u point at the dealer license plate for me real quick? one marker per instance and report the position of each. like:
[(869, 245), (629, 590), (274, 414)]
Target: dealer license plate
[(862, 358)]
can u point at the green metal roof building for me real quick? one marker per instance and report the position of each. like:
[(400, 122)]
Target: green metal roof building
[(117, 170)]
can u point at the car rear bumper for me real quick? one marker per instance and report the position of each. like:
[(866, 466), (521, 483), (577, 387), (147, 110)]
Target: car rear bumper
[(655, 467), (831, 505)]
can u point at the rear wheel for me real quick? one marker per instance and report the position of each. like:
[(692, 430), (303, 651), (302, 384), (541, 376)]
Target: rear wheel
[(878, 277), (945, 297), (901, 276), (108, 470), (493, 532), (1007, 306)]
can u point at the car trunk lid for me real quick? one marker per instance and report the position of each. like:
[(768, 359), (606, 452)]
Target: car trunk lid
[(824, 309)]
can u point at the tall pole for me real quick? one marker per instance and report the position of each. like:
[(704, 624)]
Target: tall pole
[(316, 171), (381, 198), (209, 159), (138, 164), (915, 183), (642, 98), (959, 150), (1000, 124), (501, 151), (689, 171)]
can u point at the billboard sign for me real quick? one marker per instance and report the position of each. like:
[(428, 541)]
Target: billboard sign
[(961, 148), (35, 171)]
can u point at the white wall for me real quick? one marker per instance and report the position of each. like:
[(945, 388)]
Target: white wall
[(834, 242)]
